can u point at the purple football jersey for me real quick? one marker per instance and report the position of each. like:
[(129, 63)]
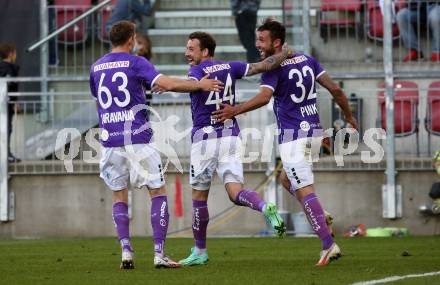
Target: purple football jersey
[(118, 82), (294, 90), (204, 103)]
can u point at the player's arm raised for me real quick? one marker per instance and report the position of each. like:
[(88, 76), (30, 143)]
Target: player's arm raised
[(271, 62), (339, 96), (259, 100), (166, 83)]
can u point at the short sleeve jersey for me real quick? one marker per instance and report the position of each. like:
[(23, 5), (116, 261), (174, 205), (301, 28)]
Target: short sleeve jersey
[(294, 89), (204, 103), (118, 82)]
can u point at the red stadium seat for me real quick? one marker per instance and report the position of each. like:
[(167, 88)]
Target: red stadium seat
[(432, 120), (374, 20), (341, 5), (103, 16), (344, 7), (406, 102), (67, 10)]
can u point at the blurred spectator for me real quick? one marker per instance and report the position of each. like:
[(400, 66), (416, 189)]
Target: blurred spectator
[(130, 10), (410, 18), (143, 46), (245, 14), (8, 68)]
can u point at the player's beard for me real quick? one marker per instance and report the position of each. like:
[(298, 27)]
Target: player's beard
[(268, 52), (194, 61)]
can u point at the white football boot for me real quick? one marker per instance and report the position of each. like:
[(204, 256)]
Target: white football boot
[(164, 262), (127, 260), (333, 253)]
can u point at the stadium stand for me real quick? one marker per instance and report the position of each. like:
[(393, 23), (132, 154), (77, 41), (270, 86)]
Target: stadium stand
[(432, 120), (374, 20), (103, 16), (68, 10), (406, 104), (344, 19)]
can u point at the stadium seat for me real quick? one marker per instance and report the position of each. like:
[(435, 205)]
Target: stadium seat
[(374, 20), (344, 19), (432, 120), (103, 16), (67, 10), (406, 102)]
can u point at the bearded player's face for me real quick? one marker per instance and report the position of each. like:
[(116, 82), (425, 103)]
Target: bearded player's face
[(264, 44), (193, 52)]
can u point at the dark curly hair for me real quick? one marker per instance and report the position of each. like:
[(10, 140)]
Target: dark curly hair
[(276, 29)]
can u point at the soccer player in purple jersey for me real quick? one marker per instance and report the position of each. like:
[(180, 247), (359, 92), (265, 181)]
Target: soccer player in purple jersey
[(216, 146), (118, 81), (293, 87)]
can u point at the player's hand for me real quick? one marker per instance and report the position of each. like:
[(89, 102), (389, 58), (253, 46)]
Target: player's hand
[(352, 121), (207, 84), (157, 90), (225, 112), (290, 51)]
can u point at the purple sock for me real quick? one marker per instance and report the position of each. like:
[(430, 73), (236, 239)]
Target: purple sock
[(250, 199), (316, 218), (200, 222), (122, 222), (159, 222)]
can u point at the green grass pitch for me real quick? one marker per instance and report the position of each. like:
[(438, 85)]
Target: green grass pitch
[(232, 261)]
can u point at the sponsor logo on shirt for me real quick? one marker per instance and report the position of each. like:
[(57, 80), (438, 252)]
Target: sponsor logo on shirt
[(305, 126), (104, 135), (295, 60), (217, 67), (111, 65)]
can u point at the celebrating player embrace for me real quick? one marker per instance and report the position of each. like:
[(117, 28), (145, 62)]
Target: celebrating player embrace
[(216, 146), (293, 87), (118, 81)]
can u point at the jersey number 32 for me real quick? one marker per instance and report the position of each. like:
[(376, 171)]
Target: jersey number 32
[(312, 95)]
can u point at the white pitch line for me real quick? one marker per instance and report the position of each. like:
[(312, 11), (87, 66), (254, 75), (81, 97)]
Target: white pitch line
[(396, 278)]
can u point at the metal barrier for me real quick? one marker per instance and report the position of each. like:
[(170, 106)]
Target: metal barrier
[(35, 141), (345, 35), (415, 129), (73, 50)]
